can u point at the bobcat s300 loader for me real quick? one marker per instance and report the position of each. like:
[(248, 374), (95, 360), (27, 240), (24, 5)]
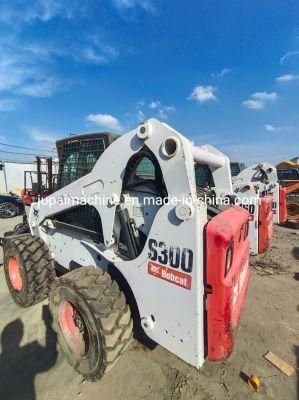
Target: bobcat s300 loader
[(183, 264)]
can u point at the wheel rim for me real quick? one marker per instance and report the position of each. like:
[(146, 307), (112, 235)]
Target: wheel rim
[(7, 210), (74, 328), (14, 272)]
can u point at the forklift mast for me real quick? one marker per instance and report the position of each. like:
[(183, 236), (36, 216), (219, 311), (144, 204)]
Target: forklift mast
[(40, 183)]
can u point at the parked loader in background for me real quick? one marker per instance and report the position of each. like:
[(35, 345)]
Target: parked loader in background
[(182, 266), (288, 175), (264, 176), (259, 205)]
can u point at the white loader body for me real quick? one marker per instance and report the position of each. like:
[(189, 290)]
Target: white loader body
[(167, 277)]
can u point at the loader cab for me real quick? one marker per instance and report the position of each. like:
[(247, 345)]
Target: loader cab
[(143, 193), (143, 174), (204, 184), (236, 168), (77, 157), (203, 176), (78, 154)]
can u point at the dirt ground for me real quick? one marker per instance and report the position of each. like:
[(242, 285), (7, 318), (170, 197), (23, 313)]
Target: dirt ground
[(32, 368)]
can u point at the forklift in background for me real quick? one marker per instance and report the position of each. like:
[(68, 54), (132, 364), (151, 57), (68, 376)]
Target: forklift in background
[(40, 183)]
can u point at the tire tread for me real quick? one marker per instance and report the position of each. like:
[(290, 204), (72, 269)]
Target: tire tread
[(109, 307), (38, 266)]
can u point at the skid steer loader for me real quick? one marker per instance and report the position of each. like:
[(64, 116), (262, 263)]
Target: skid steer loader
[(249, 195), (264, 176), (267, 203), (182, 265)]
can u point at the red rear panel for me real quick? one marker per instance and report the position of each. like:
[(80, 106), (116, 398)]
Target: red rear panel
[(282, 205), (265, 222), (226, 287)]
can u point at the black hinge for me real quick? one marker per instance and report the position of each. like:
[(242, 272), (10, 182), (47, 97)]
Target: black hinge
[(208, 289)]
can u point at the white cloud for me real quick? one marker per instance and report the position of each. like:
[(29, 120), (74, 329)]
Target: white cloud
[(90, 54), (23, 71), (104, 120), (271, 128), (160, 110), (140, 115), (258, 100), (145, 110), (203, 94), (288, 55), (43, 88), (87, 49), (254, 104), (154, 104), (7, 105), (287, 78), (146, 5), (12, 72), (27, 68), (164, 110), (223, 72), (96, 53), (43, 10), (42, 136)]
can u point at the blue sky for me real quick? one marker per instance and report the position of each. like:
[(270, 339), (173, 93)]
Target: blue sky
[(221, 72)]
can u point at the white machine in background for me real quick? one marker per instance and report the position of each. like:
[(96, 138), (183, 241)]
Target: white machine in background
[(264, 176), (260, 208), (249, 195)]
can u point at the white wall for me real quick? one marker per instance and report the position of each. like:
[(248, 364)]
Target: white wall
[(12, 175)]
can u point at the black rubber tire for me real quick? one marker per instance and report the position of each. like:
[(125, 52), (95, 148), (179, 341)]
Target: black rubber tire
[(14, 208), (106, 315), (36, 267)]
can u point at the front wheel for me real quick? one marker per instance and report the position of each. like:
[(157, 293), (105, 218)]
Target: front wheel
[(92, 320), (29, 269), (8, 210)]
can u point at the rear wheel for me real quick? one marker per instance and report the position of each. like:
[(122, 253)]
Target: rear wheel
[(29, 270), (8, 210), (92, 320)]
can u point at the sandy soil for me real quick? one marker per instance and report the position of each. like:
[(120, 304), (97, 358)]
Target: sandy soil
[(32, 368)]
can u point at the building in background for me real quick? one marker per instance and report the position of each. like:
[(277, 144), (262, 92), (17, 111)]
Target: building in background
[(12, 174)]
